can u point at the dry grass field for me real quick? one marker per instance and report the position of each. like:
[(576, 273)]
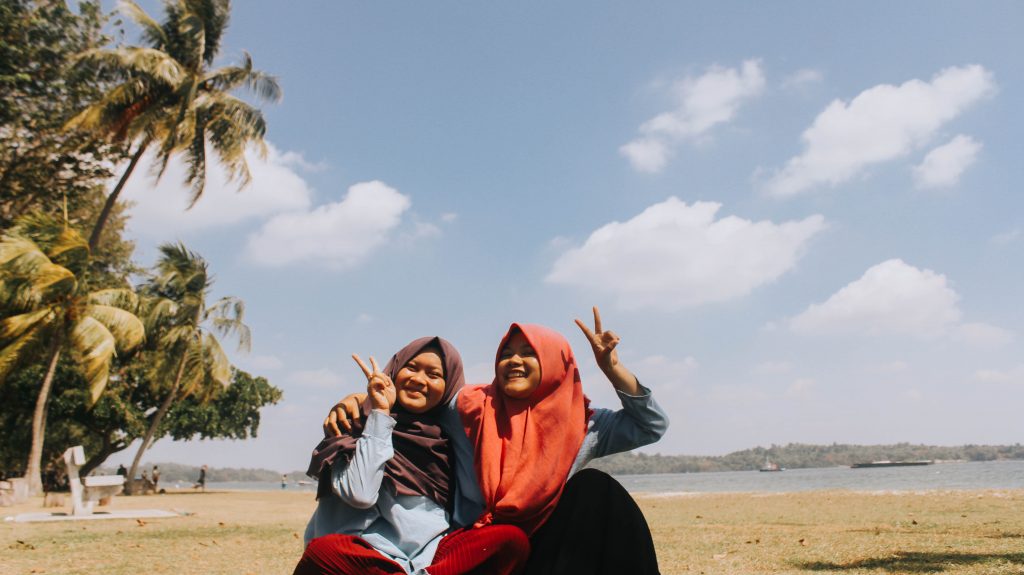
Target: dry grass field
[(954, 533)]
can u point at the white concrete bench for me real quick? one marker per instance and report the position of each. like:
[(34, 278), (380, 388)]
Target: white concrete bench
[(86, 491), (13, 491)]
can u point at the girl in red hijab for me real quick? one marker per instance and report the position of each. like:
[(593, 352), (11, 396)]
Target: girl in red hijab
[(532, 430)]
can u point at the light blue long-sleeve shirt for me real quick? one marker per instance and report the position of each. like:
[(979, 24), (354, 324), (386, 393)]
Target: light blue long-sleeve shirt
[(403, 528)]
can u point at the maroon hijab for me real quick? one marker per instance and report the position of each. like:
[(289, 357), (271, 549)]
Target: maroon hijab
[(422, 464)]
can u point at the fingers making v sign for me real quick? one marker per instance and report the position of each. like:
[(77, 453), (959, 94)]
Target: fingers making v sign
[(378, 385), (604, 344)]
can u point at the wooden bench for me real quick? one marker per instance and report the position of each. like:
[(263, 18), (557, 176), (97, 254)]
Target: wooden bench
[(87, 491)]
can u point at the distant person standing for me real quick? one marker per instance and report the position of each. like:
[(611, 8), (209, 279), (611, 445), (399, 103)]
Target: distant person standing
[(122, 471), (156, 479), (284, 481), (201, 482)]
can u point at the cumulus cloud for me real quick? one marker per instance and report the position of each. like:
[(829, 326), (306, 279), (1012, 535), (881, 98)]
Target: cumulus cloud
[(983, 334), (322, 378), (1007, 237), (675, 255), (891, 297), (943, 166), (801, 387), (772, 368), (702, 103), (340, 234), (264, 362), (1012, 375), (895, 298), (880, 124), (801, 79), (666, 370), (160, 209)]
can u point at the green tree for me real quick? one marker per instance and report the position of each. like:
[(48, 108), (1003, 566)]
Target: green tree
[(119, 417), (45, 169), (171, 97), (191, 362), (49, 309)]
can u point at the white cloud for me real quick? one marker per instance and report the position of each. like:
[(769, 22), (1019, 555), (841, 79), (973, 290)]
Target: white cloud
[(449, 217), (943, 166), (880, 124), (772, 368), (895, 298), (983, 334), (340, 234), (264, 362), (160, 209), (802, 78), (890, 298), (665, 370), (801, 387), (322, 378), (1012, 375), (646, 154), (675, 255), (702, 103), (1007, 237)]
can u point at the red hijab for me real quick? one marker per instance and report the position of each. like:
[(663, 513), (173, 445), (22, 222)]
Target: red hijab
[(525, 447)]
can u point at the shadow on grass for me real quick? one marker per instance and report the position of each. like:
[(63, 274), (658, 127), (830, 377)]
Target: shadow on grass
[(915, 562), (1007, 535)]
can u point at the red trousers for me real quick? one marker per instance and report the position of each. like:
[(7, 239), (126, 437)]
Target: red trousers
[(495, 549)]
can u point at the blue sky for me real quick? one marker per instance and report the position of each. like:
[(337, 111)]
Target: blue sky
[(803, 219)]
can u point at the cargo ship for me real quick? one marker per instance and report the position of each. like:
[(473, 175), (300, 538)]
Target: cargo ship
[(891, 464)]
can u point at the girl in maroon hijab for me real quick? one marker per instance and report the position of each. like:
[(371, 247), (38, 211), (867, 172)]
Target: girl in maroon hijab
[(385, 490)]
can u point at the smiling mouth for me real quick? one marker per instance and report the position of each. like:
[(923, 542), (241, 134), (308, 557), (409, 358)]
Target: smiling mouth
[(515, 374)]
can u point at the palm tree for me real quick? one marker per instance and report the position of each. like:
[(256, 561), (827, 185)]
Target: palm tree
[(48, 308), (169, 95), (186, 329)]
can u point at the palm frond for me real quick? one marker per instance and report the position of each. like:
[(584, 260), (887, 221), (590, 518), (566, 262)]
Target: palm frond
[(96, 346), (151, 30), (220, 366), (123, 298), (228, 78), (15, 326), (135, 61), (14, 352), (127, 329)]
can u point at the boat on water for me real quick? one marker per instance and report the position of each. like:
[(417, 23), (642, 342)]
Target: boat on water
[(887, 463), (770, 466)]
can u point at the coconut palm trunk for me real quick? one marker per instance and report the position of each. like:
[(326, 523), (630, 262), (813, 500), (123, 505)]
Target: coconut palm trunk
[(35, 455), (101, 221), (157, 418)]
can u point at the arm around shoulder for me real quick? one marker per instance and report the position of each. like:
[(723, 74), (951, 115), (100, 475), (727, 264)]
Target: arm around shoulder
[(358, 481)]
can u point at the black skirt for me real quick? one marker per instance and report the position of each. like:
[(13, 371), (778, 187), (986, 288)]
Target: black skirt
[(596, 529)]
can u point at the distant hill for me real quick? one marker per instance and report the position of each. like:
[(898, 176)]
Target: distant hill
[(791, 456), (800, 455)]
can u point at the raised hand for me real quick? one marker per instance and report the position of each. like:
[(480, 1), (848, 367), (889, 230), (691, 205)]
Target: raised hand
[(378, 385), (602, 342)]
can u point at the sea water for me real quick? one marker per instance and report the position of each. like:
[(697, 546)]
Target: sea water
[(958, 475)]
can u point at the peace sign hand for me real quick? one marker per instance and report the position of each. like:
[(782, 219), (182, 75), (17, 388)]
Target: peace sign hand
[(603, 343), (379, 386)]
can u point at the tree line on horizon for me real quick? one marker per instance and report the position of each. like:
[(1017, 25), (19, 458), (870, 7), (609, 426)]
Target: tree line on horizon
[(801, 456), (94, 349)]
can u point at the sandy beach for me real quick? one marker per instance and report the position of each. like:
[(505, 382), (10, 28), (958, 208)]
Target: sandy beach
[(260, 532)]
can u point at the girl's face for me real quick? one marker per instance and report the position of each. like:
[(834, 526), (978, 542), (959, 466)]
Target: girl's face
[(518, 367), (420, 383)]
